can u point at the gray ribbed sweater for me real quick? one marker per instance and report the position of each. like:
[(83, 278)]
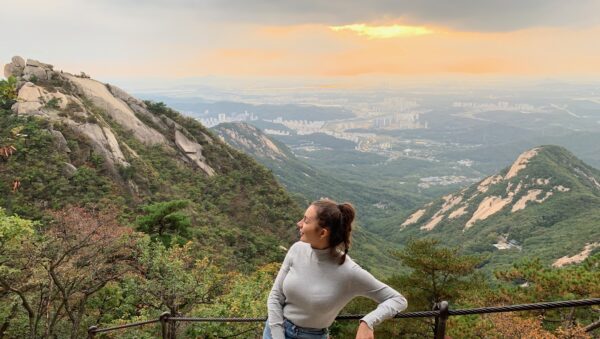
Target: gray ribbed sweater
[(311, 288)]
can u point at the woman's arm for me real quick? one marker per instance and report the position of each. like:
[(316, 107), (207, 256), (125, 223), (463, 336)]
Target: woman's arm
[(276, 298), (390, 301)]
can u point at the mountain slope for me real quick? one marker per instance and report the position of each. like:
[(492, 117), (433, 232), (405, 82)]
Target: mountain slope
[(546, 204), (310, 184), (78, 141)]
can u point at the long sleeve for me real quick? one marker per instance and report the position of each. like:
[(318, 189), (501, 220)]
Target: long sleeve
[(390, 301), (276, 298)]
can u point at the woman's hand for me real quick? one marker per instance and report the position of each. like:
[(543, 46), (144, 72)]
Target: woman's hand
[(364, 332)]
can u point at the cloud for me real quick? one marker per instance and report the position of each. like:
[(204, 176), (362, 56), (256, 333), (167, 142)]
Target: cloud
[(182, 38), (470, 15)]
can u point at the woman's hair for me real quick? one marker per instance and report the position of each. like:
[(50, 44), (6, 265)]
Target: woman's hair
[(338, 219)]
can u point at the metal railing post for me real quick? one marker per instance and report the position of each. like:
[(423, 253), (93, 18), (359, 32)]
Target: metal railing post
[(92, 331), (440, 320), (164, 318)]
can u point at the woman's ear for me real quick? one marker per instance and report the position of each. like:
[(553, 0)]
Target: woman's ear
[(324, 232)]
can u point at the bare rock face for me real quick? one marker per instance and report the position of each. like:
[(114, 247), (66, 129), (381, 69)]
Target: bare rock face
[(117, 109), (137, 106), (193, 151), (32, 98), (104, 142)]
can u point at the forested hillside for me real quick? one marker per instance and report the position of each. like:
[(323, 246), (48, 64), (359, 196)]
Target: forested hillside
[(114, 210), (546, 204)]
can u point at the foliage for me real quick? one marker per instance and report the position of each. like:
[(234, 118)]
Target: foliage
[(54, 272), (567, 219), (510, 325), (174, 278), (437, 273), (244, 296), (13, 230), (532, 281), (165, 217), (53, 103), (8, 92)]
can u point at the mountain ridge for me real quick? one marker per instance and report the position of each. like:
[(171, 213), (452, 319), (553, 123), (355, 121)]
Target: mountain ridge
[(539, 197), (78, 141)]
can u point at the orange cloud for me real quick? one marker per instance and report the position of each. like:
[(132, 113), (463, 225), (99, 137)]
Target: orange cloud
[(318, 50)]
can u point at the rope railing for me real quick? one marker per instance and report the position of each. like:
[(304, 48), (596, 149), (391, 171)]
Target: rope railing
[(441, 313)]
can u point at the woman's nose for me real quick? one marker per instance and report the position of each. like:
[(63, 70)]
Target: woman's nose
[(299, 223)]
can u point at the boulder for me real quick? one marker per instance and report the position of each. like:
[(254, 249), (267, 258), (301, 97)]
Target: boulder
[(15, 68), (69, 170), (32, 98), (60, 142), (35, 63), (193, 151), (18, 61), (12, 70), (29, 99), (32, 72)]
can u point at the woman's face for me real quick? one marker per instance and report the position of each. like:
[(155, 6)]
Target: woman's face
[(309, 228)]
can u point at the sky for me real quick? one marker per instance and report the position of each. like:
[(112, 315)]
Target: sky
[(313, 39)]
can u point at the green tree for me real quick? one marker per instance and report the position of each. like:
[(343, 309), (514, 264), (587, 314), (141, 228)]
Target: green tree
[(532, 281), (436, 273), (245, 295), (174, 279), (165, 217), (14, 236), (56, 270)]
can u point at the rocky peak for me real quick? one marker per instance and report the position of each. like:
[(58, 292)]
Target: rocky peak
[(517, 187), (546, 196), (250, 139), (83, 104)]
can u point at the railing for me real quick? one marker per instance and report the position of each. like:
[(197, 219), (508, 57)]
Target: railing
[(441, 313)]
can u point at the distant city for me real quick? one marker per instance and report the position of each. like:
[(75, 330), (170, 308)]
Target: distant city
[(426, 138)]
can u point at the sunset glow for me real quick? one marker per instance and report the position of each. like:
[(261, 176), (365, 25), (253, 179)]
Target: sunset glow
[(384, 32), (338, 39)]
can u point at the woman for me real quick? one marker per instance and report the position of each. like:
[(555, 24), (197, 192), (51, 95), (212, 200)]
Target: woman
[(318, 278)]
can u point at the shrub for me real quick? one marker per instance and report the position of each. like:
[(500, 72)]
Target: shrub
[(8, 92), (54, 103)]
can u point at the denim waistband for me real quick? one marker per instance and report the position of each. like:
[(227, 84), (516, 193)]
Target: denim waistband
[(306, 329)]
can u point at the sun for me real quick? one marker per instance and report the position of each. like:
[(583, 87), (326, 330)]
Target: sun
[(384, 32)]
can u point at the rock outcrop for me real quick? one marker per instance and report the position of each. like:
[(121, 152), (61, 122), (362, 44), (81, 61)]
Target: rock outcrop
[(101, 97), (249, 139), (76, 100), (193, 151)]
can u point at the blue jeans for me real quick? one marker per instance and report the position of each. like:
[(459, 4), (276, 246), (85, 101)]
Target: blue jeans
[(296, 332)]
